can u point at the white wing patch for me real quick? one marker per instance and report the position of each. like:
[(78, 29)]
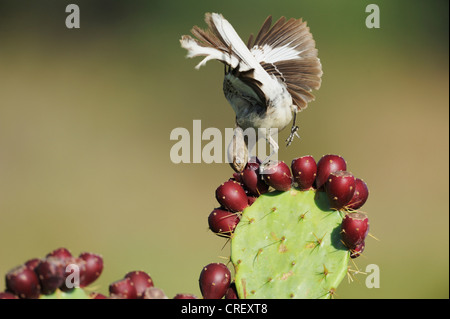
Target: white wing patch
[(270, 54)]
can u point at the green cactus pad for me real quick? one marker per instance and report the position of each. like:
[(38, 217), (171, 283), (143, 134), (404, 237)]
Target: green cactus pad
[(287, 245), (76, 293)]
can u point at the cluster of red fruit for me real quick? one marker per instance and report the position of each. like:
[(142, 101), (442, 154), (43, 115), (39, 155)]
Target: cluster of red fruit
[(45, 276), (329, 174)]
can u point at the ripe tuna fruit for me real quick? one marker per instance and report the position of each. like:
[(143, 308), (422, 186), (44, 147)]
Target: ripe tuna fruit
[(354, 229), (360, 196), (141, 281), (232, 196), (253, 180), (51, 274), (278, 175), (123, 289), (23, 282), (223, 222), (214, 281), (340, 188), (90, 268), (304, 170), (326, 165)]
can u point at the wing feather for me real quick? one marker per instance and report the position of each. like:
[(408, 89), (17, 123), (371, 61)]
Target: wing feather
[(287, 50)]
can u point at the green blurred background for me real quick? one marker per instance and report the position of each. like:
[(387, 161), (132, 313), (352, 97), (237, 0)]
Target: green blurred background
[(86, 114)]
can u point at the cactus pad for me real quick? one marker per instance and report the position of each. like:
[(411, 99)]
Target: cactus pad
[(288, 245), (76, 293)]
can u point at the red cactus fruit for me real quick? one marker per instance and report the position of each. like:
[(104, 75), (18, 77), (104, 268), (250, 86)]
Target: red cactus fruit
[(326, 165), (123, 289), (232, 196), (141, 281), (23, 282), (51, 274), (252, 179), (214, 281), (91, 267), (354, 229), (340, 188), (223, 222), (360, 196), (304, 171), (278, 175)]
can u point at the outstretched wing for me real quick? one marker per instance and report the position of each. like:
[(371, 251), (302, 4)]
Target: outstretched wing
[(221, 42), (287, 50)]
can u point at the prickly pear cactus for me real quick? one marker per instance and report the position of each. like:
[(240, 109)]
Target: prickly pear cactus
[(288, 245)]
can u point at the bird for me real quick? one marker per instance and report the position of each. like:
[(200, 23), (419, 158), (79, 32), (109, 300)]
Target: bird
[(266, 81)]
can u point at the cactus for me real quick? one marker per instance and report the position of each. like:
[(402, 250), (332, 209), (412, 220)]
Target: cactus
[(295, 239), (287, 245)]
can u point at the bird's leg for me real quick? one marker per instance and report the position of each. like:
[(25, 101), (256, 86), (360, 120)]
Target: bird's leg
[(294, 130), (274, 147)]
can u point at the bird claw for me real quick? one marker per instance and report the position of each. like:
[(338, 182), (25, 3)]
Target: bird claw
[(293, 134)]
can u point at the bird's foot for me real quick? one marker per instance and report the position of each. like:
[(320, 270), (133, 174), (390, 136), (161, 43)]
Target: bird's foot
[(294, 133)]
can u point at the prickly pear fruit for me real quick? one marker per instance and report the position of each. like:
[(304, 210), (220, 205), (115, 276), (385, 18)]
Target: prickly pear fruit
[(141, 281), (278, 175), (340, 188), (304, 171), (90, 268), (326, 165), (223, 222), (360, 196), (214, 281), (123, 289), (23, 282), (51, 274), (232, 196), (354, 229), (253, 180)]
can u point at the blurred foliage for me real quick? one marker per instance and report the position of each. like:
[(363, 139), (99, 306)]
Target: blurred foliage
[(85, 118)]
